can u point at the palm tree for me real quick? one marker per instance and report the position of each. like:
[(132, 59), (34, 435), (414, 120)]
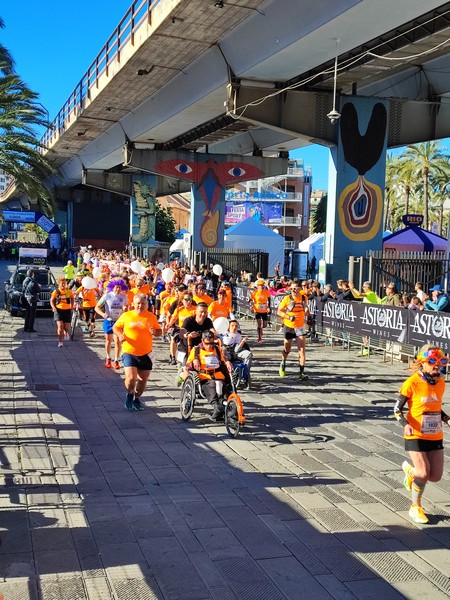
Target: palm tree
[(20, 155), (427, 158)]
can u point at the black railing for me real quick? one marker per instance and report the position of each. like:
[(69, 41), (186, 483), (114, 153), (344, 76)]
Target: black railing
[(234, 261)]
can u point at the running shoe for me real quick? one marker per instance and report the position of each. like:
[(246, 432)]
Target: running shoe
[(116, 365), (66, 333), (303, 377), (409, 475), (60, 344), (137, 404), (282, 369), (108, 363), (364, 352), (259, 340), (173, 360), (416, 513), (92, 334), (129, 401)]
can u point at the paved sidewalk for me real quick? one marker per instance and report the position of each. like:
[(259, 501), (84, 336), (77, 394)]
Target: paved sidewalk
[(308, 502)]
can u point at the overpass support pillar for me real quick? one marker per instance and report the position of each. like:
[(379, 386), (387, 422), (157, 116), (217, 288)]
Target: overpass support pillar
[(356, 184), (209, 174)]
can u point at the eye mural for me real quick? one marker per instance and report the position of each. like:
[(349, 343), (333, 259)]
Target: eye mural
[(360, 204), (209, 179)]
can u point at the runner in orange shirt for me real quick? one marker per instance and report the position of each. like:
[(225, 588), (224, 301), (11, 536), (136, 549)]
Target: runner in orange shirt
[(293, 309), (135, 329), (220, 307), (89, 299), (201, 295), (61, 301), (422, 426), (259, 301)]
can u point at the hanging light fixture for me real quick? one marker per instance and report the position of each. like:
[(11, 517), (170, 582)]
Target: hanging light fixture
[(334, 115)]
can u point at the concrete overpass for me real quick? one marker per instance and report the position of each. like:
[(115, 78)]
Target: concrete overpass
[(250, 77)]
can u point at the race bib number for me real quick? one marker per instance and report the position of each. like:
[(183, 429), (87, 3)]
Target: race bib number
[(431, 423), (115, 313), (212, 362), (262, 306)]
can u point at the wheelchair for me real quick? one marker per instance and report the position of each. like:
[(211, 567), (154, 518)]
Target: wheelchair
[(241, 374), (234, 410)]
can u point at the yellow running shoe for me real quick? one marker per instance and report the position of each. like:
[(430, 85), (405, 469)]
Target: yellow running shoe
[(409, 475), (416, 513), (282, 369)]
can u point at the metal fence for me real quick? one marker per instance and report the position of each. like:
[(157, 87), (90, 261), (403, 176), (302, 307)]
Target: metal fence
[(234, 261), (402, 268)]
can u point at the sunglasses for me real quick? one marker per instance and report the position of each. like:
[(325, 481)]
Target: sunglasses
[(432, 360)]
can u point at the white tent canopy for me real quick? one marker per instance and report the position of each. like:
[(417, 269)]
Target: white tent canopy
[(252, 235)]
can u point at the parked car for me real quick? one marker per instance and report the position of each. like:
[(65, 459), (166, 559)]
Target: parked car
[(13, 289)]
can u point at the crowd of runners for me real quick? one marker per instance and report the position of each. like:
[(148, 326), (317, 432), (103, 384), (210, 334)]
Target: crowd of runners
[(193, 309)]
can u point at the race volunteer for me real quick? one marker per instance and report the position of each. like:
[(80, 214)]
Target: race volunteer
[(293, 309), (422, 425), (135, 329)]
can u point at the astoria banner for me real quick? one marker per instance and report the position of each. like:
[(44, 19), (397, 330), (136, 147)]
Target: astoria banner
[(370, 320)]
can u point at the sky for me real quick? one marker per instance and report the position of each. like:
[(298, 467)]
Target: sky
[(53, 43)]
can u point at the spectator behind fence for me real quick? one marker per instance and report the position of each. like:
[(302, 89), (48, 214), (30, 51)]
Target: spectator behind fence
[(392, 297), (367, 295), (418, 288), (439, 300)]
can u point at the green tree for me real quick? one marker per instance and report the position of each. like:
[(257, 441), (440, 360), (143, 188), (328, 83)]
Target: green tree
[(20, 113), (165, 226), (319, 216), (427, 159)]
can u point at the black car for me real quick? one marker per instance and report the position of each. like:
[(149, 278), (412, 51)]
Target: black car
[(13, 288)]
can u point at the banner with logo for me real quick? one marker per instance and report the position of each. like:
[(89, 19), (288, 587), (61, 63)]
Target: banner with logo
[(386, 322)]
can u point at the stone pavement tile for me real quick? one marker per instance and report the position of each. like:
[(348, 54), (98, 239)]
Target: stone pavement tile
[(312, 533), (135, 506), (343, 563), (254, 534), (98, 588), (183, 492), (306, 558), (247, 579), (167, 552), (252, 501), (437, 558), (418, 590), (219, 494), (136, 588), (99, 507), (124, 561), (336, 589), (149, 526), (63, 588), (88, 556), (200, 472), (334, 519), (283, 504), (19, 589), (57, 561), (390, 566), (292, 579), (181, 581), (383, 516), (220, 542), (111, 532), (120, 477), (49, 539), (169, 475), (43, 496), (199, 515), (374, 590), (14, 532), (309, 500)]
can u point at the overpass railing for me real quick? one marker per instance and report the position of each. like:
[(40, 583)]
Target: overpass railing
[(124, 34)]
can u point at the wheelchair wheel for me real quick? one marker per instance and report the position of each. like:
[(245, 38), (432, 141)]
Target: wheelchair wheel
[(73, 324), (237, 375), (234, 420), (187, 402)]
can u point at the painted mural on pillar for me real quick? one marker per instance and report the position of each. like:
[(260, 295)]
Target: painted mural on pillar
[(209, 178), (360, 204), (143, 220)]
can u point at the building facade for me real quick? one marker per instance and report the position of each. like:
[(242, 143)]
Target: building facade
[(282, 203)]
